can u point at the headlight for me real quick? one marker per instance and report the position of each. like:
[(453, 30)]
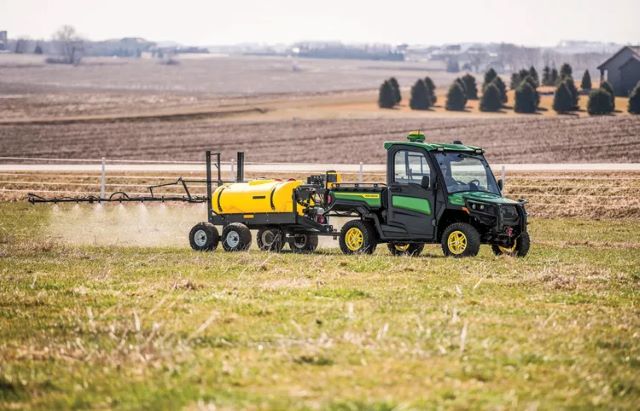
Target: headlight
[(508, 212), (481, 207)]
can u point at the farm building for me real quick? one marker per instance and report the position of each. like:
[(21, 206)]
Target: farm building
[(4, 45), (622, 70)]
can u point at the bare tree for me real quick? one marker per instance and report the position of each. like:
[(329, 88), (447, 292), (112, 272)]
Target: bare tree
[(70, 44)]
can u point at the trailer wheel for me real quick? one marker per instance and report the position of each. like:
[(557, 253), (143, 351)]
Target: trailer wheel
[(520, 247), (460, 240), (303, 243), (412, 249), (236, 237), (358, 237), (204, 237), (270, 239)]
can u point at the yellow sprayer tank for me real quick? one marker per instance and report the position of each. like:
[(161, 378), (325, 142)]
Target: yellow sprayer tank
[(257, 196)]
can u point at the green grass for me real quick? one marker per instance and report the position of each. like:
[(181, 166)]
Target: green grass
[(167, 328)]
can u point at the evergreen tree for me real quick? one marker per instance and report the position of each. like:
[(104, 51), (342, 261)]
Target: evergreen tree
[(431, 87), (386, 95), (501, 87), (607, 86), (488, 77), (463, 86), (470, 86), (527, 98), (585, 85), (554, 77), (599, 102), (420, 99), (491, 98), (546, 76), (562, 99), (396, 89), (456, 99), (634, 100), (566, 71), (515, 81), (534, 75), (575, 96)]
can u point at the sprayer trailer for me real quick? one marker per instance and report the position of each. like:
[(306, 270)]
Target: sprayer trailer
[(434, 194)]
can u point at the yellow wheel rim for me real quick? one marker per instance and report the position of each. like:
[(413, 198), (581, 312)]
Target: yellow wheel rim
[(401, 247), (354, 239), (508, 250), (457, 242)]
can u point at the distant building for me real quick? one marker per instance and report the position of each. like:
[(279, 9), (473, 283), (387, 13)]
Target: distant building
[(4, 42), (622, 70)]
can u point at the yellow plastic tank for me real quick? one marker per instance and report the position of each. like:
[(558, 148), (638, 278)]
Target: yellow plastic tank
[(257, 196)]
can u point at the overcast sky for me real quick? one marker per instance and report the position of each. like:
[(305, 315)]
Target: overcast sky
[(210, 22)]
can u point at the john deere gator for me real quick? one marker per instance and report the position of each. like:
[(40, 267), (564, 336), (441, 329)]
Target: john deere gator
[(434, 193)]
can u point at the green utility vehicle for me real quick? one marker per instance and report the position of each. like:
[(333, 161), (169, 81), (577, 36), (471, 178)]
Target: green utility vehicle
[(435, 193)]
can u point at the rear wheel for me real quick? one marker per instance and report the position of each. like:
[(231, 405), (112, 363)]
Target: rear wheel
[(412, 249), (270, 239), (520, 247), (236, 237), (460, 240), (303, 243), (357, 237), (204, 237)]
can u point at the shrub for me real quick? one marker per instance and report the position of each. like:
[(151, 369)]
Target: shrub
[(456, 99), (599, 102), (526, 98), (534, 75), (546, 76), (575, 96), (515, 81), (488, 77), (554, 77), (471, 88), (562, 99), (491, 98), (566, 71), (396, 89), (585, 84), (431, 87), (497, 81), (386, 95), (607, 86), (634, 100), (420, 99)]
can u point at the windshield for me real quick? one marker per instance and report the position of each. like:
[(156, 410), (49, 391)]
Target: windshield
[(465, 172)]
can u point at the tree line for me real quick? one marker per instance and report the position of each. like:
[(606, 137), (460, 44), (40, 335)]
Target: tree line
[(525, 84)]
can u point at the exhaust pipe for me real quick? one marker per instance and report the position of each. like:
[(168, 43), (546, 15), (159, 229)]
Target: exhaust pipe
[(240, 170)]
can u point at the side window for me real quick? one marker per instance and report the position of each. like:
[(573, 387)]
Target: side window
[(410, 167)]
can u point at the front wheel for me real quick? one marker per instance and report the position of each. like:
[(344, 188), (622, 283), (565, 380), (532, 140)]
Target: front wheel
[(358, 237), (460, 240), (399, 249), (204, 237), (520, 247)]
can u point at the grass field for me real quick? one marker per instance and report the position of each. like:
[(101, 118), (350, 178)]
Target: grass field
[(165, 327)]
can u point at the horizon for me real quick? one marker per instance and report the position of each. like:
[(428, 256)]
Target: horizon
[(200, 23)]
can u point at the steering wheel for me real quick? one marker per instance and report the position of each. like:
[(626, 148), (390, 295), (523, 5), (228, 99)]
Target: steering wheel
[(475, 182)]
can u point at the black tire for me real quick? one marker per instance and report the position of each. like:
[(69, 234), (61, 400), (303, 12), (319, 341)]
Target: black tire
[(465, 240), (270, 239), (358, 237), (204, 237), (303, 243), (520, 248), (236, 237), (411, 249)]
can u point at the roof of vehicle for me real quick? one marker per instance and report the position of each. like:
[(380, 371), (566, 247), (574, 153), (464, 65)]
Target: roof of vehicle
[(417, 139)]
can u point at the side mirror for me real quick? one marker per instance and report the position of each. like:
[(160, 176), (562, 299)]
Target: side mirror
[(500, 184), (426, 182)]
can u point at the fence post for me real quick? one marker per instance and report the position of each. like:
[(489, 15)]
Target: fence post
[(503, 176), (232, 168), (103, 179), (360, 176)]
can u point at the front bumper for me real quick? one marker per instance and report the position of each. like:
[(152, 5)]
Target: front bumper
[(499, 223)]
